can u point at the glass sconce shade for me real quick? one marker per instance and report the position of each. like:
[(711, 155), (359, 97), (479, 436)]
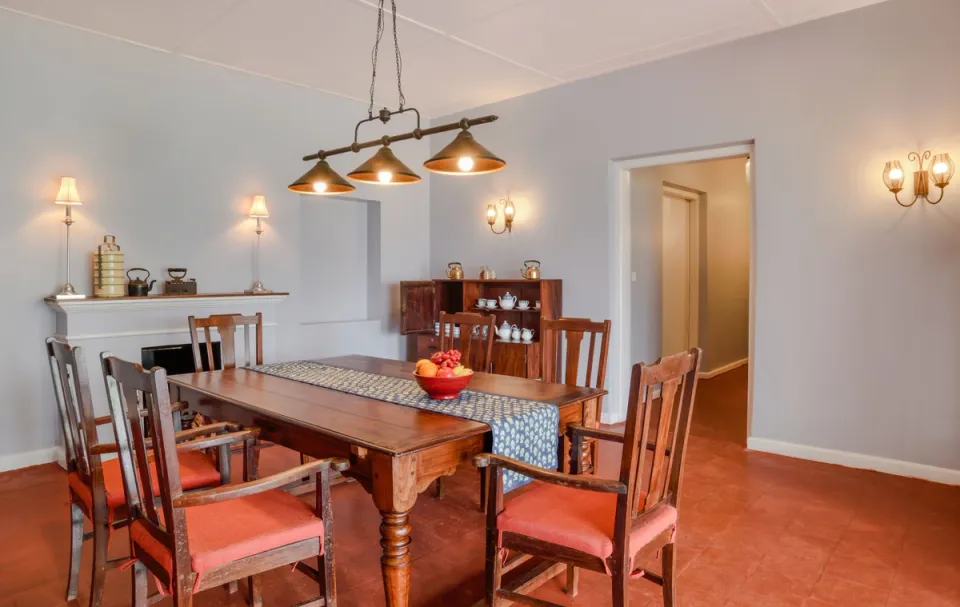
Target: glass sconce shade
[(384, 168), (942, 170), (68, 194), (491, 213), (258, 209), (321, 180), (464, 156), (509, 211), (893, 176)]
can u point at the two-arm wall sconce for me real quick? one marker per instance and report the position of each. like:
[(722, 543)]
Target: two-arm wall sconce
[(941, 170), (509, 212)]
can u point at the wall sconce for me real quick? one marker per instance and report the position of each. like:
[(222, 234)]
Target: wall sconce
[(509, 212), (941, 170), (258, 211), (69, 197)]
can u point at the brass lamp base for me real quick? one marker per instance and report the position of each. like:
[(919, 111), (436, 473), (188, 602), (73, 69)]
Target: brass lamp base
[(68, 292), (258, 288)]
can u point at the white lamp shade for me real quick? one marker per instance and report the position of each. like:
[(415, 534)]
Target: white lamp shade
[(259, 207), (68, 192)]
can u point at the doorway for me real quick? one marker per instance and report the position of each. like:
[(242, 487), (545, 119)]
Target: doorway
[(680, 270), (639, 285)]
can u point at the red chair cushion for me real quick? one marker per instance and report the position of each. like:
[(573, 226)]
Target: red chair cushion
[(196, 470), (228, 531), (578, 519)]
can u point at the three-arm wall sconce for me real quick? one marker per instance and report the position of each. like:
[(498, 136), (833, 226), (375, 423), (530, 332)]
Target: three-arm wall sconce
[(509, 212), (941, 171), (258, 211)]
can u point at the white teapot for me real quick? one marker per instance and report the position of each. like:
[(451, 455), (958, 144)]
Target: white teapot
[(507, 301), (504, 331)]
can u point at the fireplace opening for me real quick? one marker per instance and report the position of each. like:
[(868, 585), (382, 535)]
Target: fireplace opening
[(176, 359)]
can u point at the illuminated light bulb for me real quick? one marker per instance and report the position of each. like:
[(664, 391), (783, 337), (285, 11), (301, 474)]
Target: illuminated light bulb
[(896, 174), (319, 186), (940, 168), (385, 176), (491, 214), (465, 163)]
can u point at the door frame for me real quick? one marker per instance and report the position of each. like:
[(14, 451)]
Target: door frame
[(693, 198), (618, 202)]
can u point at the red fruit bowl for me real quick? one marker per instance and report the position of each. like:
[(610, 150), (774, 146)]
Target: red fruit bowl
[(443, 388)]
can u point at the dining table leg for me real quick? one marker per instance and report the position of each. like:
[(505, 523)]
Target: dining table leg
[(394, 493)]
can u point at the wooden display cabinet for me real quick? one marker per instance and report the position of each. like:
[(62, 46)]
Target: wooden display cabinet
[(421, 303)]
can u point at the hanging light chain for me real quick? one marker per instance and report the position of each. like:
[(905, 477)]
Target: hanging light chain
[(374, 56), (399, 59)]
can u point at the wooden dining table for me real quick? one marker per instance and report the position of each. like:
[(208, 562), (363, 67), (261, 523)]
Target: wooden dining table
[(395, 451)]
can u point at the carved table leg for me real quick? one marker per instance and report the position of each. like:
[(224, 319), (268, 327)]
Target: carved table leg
[(395, 561), (394, 490)]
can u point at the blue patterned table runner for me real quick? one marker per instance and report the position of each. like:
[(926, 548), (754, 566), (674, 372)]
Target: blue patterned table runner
[(522, 429)]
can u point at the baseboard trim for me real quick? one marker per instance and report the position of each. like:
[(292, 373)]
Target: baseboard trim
[(856, 460), (721, 370), (15, 461)]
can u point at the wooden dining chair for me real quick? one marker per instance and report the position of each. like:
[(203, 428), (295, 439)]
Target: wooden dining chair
[(562, 353), (595, 523), (95, 485), (195, 541), (476, 349)]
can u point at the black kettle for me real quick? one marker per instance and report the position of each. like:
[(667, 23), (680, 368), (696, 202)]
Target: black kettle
[(139, 287)]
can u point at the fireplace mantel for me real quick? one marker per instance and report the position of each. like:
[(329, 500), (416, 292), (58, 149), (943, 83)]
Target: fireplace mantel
[(156, 302)]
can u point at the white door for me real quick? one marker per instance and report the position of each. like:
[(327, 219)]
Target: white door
[(677, 273)]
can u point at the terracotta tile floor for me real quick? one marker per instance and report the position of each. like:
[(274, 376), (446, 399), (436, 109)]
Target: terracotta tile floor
[(755, 530)]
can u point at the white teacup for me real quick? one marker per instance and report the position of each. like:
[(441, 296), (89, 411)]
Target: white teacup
[(481, 303), (491, 303), (523, 304)]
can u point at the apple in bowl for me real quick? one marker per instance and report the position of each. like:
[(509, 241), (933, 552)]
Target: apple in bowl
[(442, 376)]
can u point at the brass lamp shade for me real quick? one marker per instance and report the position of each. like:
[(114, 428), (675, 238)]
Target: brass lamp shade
[(384, 168), (464, 156), (321, 180)]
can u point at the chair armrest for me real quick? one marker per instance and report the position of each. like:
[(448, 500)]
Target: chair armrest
[(229, 492), (575, 429), (217, 428), (101, 448), (575, 481), (106, 419), (217, 440)]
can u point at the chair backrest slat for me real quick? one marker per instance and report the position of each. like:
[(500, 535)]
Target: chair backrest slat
[(130, 387), (667, 429), (475, 349), (560, 361), (226, 325), (77, 419)]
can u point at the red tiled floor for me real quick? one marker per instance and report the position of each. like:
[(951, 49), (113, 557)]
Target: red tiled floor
[(756, 530)]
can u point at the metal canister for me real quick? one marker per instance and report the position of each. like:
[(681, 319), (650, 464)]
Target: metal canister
[(108, 271)]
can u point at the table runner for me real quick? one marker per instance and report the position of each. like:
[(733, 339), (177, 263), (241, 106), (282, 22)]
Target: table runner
[(522, 429)]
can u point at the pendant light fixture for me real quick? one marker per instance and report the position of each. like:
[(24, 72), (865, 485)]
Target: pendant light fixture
[(463, 156), (321, 180), (385, 169)]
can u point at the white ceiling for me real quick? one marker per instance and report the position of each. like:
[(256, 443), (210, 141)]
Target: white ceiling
[(457, 53)]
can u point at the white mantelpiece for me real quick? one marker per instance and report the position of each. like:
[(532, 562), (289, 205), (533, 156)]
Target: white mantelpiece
[(124, 325)]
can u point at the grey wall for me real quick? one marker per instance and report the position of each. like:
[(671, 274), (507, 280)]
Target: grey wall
[(724, 252), (857, 336), (167, 153)]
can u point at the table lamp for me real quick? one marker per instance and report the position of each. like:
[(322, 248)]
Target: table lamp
[(258, 211), (68, 197)]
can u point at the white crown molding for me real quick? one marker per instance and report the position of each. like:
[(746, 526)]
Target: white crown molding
[(98, 304), (856, 460)]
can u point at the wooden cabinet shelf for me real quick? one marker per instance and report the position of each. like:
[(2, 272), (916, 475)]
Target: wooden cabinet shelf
[(421, 303)]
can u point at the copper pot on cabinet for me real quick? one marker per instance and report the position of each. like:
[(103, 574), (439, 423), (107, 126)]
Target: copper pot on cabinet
[(455, 270), (531, 269)]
